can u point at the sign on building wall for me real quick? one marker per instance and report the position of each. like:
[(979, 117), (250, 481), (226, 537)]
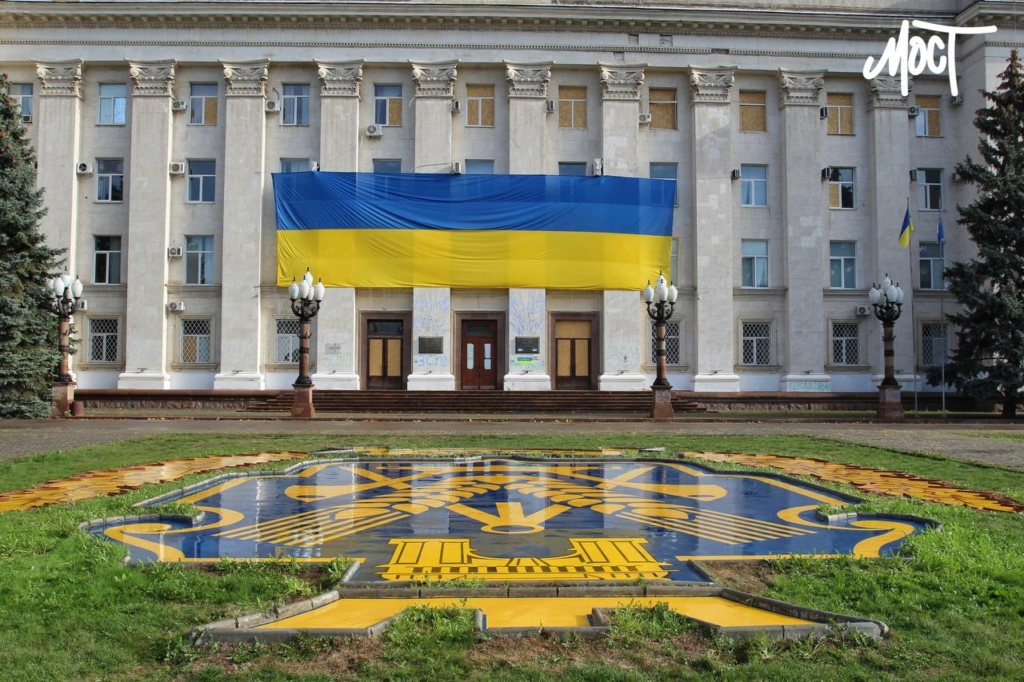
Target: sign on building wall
[(474, 231)]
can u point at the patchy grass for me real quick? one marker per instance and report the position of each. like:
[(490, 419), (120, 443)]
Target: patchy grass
[(994, 434)]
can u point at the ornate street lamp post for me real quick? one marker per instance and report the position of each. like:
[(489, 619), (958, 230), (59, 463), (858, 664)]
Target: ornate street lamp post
[(887, 299), (661, 303), (306, 299), (64, 295)]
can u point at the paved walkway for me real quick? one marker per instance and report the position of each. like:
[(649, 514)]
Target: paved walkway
[(20, 438)]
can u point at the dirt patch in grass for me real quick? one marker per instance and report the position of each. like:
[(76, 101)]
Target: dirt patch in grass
[(746, 576)]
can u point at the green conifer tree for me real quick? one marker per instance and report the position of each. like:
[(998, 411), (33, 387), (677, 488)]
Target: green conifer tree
[(28, 330), (988, 362)]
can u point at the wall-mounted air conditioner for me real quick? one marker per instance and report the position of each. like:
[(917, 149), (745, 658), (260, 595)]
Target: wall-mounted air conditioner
[(862, 310), (956, 100), (179, 105), (176, 168), (823, 113), (913, 112), (26, 118), (83, 305), (735, 175), (598, 167), (457, 168), (645, 119), (272, 106), (374, 130), (176, 306), (174, 252), (826, 173), (456, 106), (550, 106), (84, 168), (913, 175), (314, 165)]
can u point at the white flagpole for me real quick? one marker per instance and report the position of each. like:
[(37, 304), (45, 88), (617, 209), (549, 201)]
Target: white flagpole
[(942, 316), (913, 321)]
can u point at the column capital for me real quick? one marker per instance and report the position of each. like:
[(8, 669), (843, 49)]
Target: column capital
[(340, 79), (528, 80), (152, 79), (886, 92), (711, 86), (800, 88), (434, 79), (246, 79), (60, 79), (621, 81)]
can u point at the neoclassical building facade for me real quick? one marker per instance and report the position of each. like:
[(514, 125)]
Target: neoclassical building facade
[(158, 126)]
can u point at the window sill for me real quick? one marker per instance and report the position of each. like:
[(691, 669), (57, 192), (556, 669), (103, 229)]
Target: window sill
[(294, 125), (102, 201), (480, 126), (842, 134), (201, 203), (117, 365), (842, 208), (282, 366), (652, 367), (842, 369), (753, 205), (206, 366), (202, 125), (111, 125), (758, 368)]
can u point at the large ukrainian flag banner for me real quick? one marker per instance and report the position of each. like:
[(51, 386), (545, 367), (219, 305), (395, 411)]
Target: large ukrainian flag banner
[(479, 231)]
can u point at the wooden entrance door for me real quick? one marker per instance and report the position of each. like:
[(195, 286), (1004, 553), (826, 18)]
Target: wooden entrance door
[(572, 354), (384, 352), (479, 354)]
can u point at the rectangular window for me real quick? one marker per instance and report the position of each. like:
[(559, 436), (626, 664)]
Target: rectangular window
[(198, 260), (294, 165), (664, 108), (842, 265), (757, 343), (672, 356), (932, 265), (845, 343), (753, 185), (387, 105), (753, 112), (928, 122), (287, 343), (479, 166), (572, 106), (840, 188), (202, 181), (107, 260), (840, 113), (202, 106), (572, 168), (102, 340), (21, 93), (479, 106), (665, 171), (673, 266), (295, 105), (113, 104), (387, 165), (195, 341), (934, 344), (929, 189), (754, 264), (109, 180)]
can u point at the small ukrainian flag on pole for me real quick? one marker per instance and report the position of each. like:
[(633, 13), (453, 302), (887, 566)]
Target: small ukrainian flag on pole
[(906, 229)]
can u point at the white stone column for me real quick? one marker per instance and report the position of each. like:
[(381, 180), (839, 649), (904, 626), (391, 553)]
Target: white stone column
[(527, 308), (713, 239), (804, 240), (432, 306), (337, 328), (889, 142), (243, 165), (622, 324), (149, 218)]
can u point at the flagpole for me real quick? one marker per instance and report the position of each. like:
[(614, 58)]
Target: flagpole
[(913, 320), (942, 312)]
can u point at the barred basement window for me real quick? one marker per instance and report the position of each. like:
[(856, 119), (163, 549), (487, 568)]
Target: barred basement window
[(757, 343), (672, 355), (195, 341), (287, 341), (934, 344), (845, 343), (102, 340)]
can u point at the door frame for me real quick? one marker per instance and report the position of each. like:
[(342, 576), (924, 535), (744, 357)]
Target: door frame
[(500, 352), (595, 345), (364, 361)]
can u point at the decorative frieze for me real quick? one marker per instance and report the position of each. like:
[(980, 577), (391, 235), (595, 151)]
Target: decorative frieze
[(886, 93), (62, 79), (622, 81), (246, 79), (528, 80), (800, 88), (711, 87), (340, 79), (152, 79), (434, 79)]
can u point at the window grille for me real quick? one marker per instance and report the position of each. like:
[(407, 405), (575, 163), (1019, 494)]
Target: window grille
[(934, 344), (845, 343), (195, 341), (287, 341), (757, 343), (103, 340), (672, 354)]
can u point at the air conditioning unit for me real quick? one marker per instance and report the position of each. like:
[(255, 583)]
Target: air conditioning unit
[(550, 106), (272, 106), (176, 306), (456, 106), (176, 168), (645, 119), (84, 168), (735, 175), (862, 310), (823, 113), (913, 112), (174, 252), (956, 100), (26, 118), (83, 305), (598, 167), (374, 130), (314, 165), (179, 105), (913, 175), (826, 173), (457, 168)]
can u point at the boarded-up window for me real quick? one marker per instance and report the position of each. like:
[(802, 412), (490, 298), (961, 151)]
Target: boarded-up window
[(840, 113), (480, 106), (929, 122), (572, 106), (664, 108), (753, 112)]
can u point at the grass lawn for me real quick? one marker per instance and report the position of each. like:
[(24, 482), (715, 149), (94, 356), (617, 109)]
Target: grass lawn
[(70, 610)]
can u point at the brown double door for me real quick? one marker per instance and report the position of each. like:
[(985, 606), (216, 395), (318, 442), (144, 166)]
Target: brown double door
[(573, 354), (479, 355), (384, 352)]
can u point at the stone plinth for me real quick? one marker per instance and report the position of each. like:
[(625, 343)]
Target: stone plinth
[(302, 403), (63, 396), (890, 404), (663, 404)]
